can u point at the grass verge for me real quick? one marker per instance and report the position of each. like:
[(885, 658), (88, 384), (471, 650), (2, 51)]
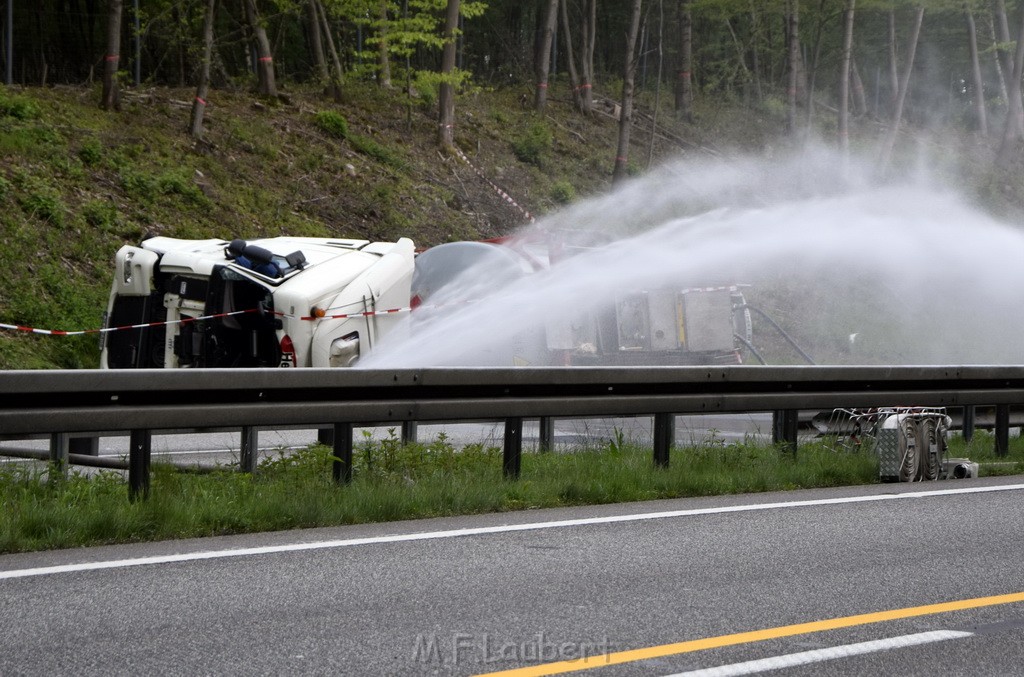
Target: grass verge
[(392, 481)]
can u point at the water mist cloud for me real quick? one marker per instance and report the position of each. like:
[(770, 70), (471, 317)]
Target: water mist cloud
[(910, 267)]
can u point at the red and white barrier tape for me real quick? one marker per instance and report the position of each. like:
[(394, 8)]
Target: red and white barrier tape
[(505, 196), (304, 318), (80, 332), (185, 320), (346, 316)]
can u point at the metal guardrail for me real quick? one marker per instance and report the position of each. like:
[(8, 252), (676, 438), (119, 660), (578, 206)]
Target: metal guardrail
[(59, 403)]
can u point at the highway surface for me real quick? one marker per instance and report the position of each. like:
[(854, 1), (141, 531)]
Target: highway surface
[(888, 579)]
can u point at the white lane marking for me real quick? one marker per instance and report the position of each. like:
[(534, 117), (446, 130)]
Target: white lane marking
[(820, 655), (477, 531)]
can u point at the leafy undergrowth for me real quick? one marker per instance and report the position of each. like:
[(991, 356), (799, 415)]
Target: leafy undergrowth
[(391, 482)]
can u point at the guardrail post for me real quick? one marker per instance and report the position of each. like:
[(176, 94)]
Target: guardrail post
[(59, 447), (342, 467), (967, 427), (410, 430), (249, 449), (546, 441), (1002, 429), (325, 436), (513, 449), (784, 428), (664, 436), (140, 446)]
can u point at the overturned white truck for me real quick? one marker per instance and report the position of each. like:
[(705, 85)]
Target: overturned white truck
[(264, 302), (324, 302)]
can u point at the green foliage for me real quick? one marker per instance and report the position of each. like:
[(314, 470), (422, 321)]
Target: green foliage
[(100, 214), (427, 86), (563, 192), (138, 184), (146, 187), (428, 83), (126, 154), (91, 152), (179, 182), (5, 187), (378, 152), (43, 202), (332, 123), (17, 107), (33, 140), (533, 145), (46, 135)]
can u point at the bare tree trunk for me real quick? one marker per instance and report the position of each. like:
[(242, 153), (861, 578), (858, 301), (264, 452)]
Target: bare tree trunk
[(265, 62), (542, 58), (979, 83), (997, 58), (657, 91), (590, 39), (111, 93), (570, 55), (316, 42), (793, 37), (741, 56), (901, 97), (755, 51), (336, 72), (894, 71), (383, 56), (844, 82), (1011, 132), (684, 78), (199, 104), (860, 101), (628, 79), (812, 79), (1002, 25), (446, 96), (1007, 62)]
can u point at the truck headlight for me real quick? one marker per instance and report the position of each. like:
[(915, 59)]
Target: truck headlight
[(126, 268), (345, 350)]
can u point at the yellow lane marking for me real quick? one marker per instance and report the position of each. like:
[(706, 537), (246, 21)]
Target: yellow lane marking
[(620, 657)]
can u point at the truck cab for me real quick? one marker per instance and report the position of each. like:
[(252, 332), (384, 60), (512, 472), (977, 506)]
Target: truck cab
[(274, 302)]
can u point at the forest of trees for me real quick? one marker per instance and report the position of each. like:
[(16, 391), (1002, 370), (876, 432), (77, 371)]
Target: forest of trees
[(930, 62)]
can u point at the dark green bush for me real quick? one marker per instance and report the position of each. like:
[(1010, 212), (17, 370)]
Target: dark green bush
[(17, 107), (332, 123), (563, 192), (91, 152), (533, 144)]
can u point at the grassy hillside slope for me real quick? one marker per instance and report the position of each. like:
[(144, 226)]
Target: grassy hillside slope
[(77, 182)]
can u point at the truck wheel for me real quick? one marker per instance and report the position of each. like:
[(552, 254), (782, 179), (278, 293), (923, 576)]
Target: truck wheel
[(910, 466), (930, 445)]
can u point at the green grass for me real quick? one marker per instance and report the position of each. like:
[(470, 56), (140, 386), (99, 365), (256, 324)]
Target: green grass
[(391, 482), (981, 449)]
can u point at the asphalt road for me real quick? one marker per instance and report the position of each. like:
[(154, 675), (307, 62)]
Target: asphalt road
[(662, 587)]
